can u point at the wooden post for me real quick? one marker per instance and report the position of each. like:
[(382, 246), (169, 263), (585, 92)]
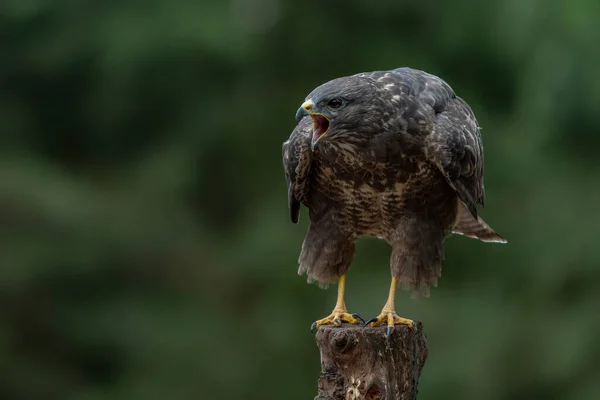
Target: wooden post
[(363, 363)]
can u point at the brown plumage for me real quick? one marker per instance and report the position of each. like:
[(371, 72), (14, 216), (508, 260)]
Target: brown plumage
[(392, 154)]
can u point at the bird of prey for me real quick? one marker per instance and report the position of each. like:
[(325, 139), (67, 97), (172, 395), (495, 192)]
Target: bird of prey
[(391, 154)]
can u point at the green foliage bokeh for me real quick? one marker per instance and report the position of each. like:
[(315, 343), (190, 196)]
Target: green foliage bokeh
[(145, 246)]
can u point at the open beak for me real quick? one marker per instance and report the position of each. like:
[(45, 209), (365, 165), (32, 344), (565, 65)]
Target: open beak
[(320, 128), (320, 122)]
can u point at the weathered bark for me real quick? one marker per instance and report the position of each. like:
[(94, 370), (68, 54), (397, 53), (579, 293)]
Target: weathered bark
[(362, 363)]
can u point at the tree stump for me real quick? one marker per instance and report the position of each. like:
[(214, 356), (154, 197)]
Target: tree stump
[(363, 363)]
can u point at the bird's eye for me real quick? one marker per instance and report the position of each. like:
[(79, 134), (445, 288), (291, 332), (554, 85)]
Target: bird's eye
[(334, 103)]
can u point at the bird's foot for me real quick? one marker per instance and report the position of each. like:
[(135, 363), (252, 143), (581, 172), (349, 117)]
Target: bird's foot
[(391, 318), (336, 318)]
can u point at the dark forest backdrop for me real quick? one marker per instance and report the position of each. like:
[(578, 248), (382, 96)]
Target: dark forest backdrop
[(145, 247)]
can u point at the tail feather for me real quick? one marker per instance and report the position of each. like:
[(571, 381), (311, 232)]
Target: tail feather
[(470, 227)]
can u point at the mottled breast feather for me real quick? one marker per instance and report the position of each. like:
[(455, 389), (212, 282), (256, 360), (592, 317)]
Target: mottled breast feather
[(441, 123)]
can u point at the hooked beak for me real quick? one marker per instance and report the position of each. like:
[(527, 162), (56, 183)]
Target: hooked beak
[(303, 111), (320, 122)]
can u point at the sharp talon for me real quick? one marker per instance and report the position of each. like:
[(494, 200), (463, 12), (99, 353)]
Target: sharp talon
[(358, 317), (313, 326), (369, 321), (390, 329), (336, 318)]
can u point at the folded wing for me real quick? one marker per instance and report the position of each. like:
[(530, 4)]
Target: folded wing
[(296, 164)]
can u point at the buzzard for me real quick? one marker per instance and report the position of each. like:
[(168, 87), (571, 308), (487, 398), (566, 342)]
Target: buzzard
[(391, 154)]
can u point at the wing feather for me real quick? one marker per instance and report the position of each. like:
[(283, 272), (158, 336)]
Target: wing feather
[(442, 124), (296, 163), (457, 150)]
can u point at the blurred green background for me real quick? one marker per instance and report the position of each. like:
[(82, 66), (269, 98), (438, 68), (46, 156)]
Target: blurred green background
[(146, 251)]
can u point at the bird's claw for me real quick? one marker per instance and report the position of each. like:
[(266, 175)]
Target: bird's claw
[(391, 318), (390, 329), (358, 317), (336, 318)]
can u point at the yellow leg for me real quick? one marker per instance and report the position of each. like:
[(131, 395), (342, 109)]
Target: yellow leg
[(388, 313), (339, 313)]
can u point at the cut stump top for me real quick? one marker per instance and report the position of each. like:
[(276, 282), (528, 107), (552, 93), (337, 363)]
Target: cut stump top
[(363, 363)]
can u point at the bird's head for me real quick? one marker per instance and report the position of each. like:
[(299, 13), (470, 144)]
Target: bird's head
[(322, 115), (339, 106)]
